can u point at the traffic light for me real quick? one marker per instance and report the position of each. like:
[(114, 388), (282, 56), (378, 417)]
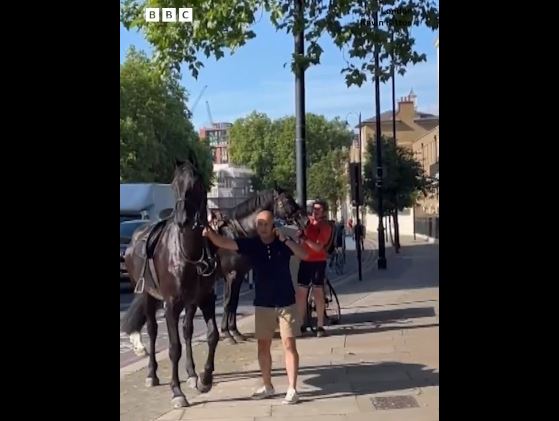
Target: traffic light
[(356, 184)]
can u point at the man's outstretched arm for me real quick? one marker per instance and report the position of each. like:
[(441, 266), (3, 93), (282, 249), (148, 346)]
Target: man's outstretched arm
[(220, 241)]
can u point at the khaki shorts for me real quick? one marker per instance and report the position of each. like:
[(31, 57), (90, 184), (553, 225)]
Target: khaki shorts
[(267, 319)]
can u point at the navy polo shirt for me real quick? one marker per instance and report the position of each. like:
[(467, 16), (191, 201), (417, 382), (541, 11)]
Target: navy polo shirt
[(272, 277)]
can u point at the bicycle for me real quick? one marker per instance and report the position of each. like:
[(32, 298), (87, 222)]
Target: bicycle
[(332, 309), (338, 260)]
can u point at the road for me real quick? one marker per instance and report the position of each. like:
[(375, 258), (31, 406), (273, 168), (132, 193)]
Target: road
[(246, 308)]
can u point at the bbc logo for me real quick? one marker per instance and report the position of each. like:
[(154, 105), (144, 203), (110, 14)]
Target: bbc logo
[(184, 14)]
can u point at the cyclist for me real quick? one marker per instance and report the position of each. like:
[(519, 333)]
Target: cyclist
[(314, 239)]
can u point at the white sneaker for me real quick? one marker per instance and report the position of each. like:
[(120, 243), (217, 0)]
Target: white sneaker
[(263, 392), (291, 397)]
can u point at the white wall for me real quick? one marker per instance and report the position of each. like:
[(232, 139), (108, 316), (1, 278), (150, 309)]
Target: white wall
[(405, 222)]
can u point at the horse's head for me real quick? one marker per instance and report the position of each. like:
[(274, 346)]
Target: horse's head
[(286, 208), (191, 204)]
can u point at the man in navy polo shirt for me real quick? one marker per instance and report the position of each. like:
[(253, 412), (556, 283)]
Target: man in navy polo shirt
[(274, 300)]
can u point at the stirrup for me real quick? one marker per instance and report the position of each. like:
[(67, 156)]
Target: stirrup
[(137, 288)]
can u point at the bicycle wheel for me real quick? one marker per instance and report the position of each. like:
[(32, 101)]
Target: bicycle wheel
[(333, 310), (311, 310), (339, 263)]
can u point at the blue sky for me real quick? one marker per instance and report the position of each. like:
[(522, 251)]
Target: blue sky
[(254, 79)]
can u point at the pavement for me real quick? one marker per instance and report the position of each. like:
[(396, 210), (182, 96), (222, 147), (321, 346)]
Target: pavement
[(380, 363)]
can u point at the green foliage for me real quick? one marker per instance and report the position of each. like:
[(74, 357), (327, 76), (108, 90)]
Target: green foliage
[(328, 178), (225, 25), (250, 143), (154, 126), (268, 148), (403, 177)]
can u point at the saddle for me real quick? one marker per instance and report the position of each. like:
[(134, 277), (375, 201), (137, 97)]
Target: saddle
[(144, 251)]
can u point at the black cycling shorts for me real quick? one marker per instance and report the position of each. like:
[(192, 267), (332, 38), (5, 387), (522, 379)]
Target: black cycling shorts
[(311, 273)]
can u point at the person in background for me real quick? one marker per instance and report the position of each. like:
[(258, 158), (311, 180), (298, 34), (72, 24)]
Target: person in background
[(339, 238), (360, 235), (312, 269)]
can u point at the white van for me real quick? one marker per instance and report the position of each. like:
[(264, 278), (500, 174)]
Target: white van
[(145, 201)]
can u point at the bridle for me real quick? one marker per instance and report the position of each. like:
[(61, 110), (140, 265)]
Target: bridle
[(280, 206), (201, 264), (203, 268)]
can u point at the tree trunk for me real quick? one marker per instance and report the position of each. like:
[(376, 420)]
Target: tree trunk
[(390, 229), (396, 231)]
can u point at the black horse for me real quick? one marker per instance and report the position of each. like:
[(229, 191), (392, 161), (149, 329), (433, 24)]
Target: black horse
[(183, 280), (233, 266)]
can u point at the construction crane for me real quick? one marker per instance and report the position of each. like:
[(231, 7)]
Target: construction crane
[(198, 99), (209, 113)]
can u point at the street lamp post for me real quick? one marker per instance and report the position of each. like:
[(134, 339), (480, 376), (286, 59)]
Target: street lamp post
[(300, 147), (358, 189), (381, 263), (360, 195), (396, 223)]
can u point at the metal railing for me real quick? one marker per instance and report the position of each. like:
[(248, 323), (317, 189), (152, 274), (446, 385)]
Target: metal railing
[(428, 226)]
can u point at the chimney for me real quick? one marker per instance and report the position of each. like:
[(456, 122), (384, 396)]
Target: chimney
[(406, 110), (413, 98)]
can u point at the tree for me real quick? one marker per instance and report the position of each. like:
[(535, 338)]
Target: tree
[(328, 179), (154, 125), (226, 25), (403, 177), (266, 146), (250, 143)]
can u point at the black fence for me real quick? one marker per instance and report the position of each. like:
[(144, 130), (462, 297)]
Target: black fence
[(428, 226)]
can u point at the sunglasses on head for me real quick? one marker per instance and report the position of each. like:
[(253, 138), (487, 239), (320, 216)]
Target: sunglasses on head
[(318, 208)]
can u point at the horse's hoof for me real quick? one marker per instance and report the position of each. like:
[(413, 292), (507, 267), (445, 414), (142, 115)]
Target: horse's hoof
[(204, 388), (137, 345), (239, 337), (179, 402), (228, 340), (152, 382), (192, 382), (140, 352)]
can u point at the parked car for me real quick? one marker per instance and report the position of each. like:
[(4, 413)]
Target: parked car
[(127, 229)]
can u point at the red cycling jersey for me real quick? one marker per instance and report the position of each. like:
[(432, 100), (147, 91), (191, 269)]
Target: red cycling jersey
[(318, 231)]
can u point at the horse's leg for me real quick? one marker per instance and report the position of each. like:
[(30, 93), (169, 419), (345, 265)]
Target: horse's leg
[(190, 312), (172, 314), (133, 321), (208, 311), (225, 334), (234, 305), (150, 311)]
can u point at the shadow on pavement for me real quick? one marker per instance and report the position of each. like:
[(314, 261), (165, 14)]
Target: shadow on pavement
[(349, 379), (415, 266), (372, 322), (387, 316)]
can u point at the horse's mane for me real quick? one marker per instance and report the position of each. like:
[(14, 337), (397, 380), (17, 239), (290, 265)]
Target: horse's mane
[(260, 201), (188, 169)]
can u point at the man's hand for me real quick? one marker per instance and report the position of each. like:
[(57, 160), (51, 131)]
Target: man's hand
[(280, 235), (220, 241)]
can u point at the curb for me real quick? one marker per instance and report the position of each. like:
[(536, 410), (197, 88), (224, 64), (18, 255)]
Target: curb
[(430, 240)]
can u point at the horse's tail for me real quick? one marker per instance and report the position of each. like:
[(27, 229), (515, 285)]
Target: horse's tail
[(135, 317)]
